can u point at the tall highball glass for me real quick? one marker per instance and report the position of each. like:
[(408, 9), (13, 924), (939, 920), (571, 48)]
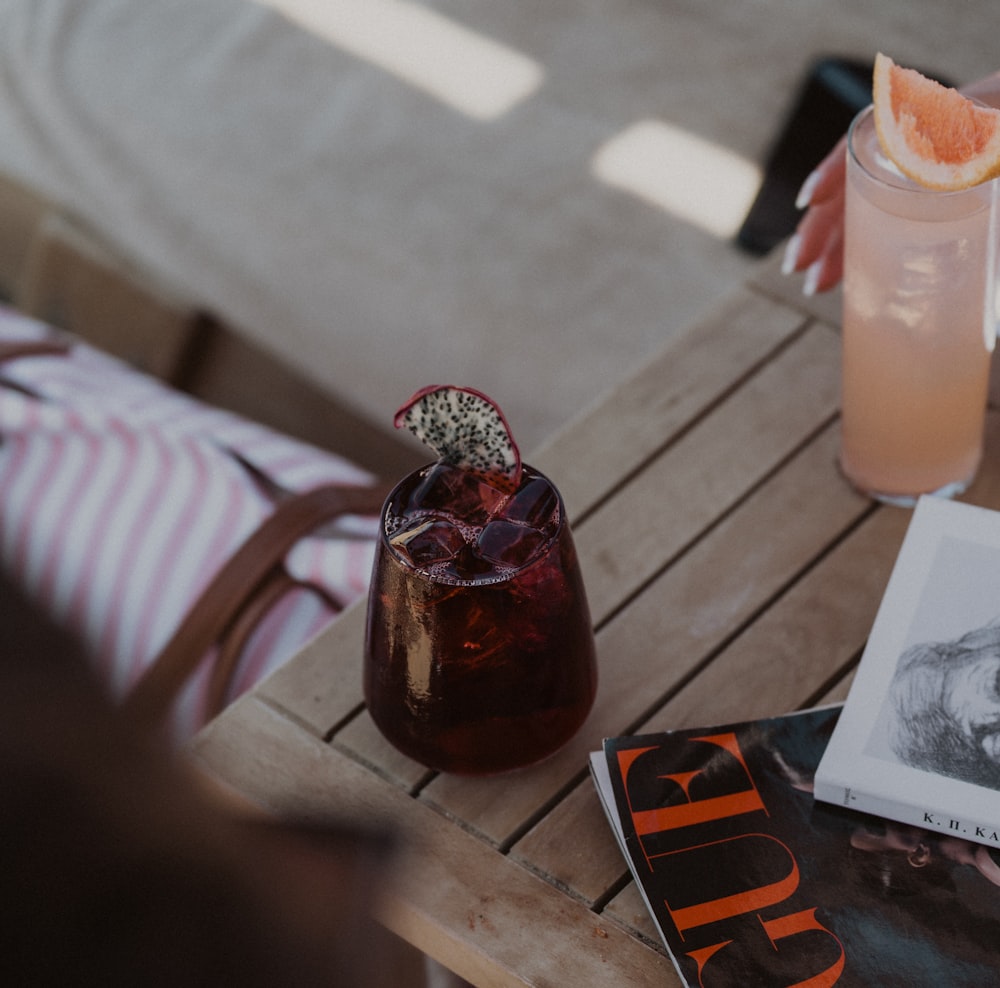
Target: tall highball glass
[(919, 325)]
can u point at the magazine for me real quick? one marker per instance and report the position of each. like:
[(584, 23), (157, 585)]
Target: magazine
[(752, 882), (919, 738)]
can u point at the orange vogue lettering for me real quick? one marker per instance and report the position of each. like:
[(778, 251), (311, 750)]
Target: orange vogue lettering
[(729, 912), (750, 900), (702, 956), (789, 926), (694, 811), (780, 929)]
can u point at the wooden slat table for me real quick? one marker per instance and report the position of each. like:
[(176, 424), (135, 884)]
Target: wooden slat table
[(732, 573)]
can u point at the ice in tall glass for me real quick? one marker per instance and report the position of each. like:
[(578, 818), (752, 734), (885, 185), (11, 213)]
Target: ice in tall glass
[(918, 327)]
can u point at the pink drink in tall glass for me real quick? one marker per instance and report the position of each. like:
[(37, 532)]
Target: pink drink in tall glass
[(479, 653), (918, 328)]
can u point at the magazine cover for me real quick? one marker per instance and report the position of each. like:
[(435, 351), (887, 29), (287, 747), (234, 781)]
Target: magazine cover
[(752, 882), (919, 738)]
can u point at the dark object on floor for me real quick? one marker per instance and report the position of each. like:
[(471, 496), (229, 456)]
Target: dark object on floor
[(835, 89)]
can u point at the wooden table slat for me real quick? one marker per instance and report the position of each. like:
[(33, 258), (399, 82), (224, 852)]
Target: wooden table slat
[(629, 910), (323, 684), (798, 644), (708, 471), (589, 456), (484, 906)]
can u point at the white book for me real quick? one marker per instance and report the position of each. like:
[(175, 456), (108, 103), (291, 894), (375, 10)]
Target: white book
[(919, 737)]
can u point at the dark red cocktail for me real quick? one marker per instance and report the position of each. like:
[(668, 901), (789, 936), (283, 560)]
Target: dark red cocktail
[(479, 652)]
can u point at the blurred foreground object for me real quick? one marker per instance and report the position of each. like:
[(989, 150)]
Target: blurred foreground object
[(121, 868)]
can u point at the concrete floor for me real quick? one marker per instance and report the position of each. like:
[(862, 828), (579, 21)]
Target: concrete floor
[(539, 251), (497, 256)]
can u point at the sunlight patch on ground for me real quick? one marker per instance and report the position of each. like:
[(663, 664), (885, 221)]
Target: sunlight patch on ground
[(689, 177), (464, 69)]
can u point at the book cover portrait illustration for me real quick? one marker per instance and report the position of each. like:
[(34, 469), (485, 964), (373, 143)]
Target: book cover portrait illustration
[(919, 739)]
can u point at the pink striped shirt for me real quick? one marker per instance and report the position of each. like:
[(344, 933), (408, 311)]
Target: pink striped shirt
[(120, 499)]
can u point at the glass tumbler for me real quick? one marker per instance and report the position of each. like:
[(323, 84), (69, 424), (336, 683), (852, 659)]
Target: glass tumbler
[(479, 650)]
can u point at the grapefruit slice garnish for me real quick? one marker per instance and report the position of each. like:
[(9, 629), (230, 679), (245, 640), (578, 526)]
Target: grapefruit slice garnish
[(935, 135)]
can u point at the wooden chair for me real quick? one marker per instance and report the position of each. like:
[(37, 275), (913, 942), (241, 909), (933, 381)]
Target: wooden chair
[(54, 268)]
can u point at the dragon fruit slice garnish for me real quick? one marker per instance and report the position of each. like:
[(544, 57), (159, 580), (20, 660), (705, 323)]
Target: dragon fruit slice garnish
[(465, 429)]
